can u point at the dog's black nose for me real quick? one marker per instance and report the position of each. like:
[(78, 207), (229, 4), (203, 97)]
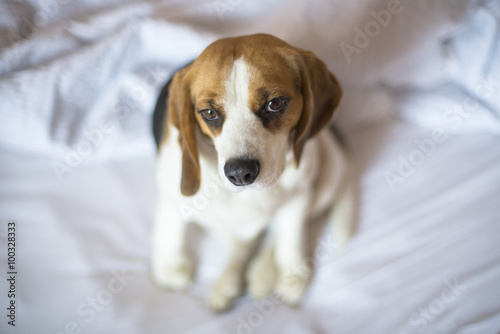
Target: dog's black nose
[(242, 172)]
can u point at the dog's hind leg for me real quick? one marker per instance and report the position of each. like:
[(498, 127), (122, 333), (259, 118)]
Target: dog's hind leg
[(344, 211), (230, 284), (262, 271)]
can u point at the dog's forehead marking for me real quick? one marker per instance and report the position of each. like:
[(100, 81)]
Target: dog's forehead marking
[(237, 85), (240, 131)]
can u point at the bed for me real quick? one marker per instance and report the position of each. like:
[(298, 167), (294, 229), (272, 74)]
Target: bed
[(421, 115)]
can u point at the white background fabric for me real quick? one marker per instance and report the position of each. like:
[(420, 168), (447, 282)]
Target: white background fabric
[(78, 82)]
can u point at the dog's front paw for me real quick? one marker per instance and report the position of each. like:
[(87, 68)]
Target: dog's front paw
[(176, 277), (225, 290), (291, 286)]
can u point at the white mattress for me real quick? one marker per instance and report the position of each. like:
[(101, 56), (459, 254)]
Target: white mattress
[(425, 258)]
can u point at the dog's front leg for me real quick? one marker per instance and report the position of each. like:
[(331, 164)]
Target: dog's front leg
[(293, 271), (170, 265)]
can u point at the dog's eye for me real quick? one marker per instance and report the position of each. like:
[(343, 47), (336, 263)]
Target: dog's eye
[(276, 105), (209, 114)]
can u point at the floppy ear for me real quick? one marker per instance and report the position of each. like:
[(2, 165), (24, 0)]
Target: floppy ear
[(181, 111), (321, 94)]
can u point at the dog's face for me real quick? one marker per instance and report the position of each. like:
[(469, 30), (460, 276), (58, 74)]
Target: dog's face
[(257, 98)]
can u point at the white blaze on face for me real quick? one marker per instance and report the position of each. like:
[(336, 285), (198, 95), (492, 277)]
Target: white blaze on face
[(244, 136)]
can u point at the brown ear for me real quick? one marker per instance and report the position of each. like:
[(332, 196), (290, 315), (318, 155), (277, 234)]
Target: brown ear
[(181, 111), (321, 94)]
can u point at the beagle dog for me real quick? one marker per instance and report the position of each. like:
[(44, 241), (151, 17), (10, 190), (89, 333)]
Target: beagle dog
[(245, 150)]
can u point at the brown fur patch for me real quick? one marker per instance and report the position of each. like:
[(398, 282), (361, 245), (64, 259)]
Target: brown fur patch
[(207, 90)]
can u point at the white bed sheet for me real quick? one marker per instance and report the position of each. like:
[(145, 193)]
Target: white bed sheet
[(77, 93)]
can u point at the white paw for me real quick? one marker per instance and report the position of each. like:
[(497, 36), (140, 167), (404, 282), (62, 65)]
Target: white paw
[(174, 277), (291, 286), (227, 288), (261, 277)]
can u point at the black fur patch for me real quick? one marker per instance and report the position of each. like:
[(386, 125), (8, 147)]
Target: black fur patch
[(160, 113)]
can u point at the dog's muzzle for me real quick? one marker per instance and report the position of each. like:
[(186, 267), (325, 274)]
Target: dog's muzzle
[(242, 172)]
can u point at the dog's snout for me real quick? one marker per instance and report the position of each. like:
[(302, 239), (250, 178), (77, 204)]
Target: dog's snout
[(242, 172)]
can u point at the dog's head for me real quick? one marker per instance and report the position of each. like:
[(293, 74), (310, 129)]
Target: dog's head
[(257, 98)]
